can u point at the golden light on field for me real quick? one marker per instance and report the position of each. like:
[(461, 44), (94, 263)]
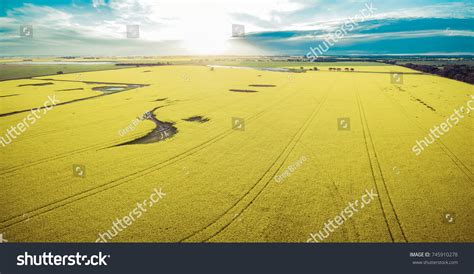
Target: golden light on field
[(221, 182)]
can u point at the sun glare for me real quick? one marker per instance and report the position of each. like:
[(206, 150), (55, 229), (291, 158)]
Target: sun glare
[(207, 43), (208, 35)]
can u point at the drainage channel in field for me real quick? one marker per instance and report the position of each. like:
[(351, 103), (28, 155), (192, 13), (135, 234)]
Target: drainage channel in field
[(242, 90), (70, 89), (254, 86), (162, 131), (262, 86), (114, 89), (9, 95), (36, 85), (107, 89)]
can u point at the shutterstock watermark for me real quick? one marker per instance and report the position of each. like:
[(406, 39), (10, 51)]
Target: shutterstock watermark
[(29, 120), (133, 31), (291, 168), (331, 225), (444, 127), (123, 223), (48, 259), (134, 123), (2, 240), (341, 31), (238, 30), (26, 31)]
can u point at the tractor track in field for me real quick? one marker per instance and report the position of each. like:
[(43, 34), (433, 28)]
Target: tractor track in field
[(342, 202), (56, 105), (283, 156), (68, 153), (454, 158), (20, 218), (368, 138)]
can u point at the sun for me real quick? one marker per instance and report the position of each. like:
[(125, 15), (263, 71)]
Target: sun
[(207, 36), (206, 45)]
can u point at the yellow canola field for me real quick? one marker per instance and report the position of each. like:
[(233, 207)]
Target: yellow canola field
[(28, 94), (220, 183)]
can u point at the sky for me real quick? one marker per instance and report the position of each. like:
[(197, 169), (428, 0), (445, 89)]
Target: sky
[(204, 27)]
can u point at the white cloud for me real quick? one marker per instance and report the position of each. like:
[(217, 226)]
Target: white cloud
[(179, 19), (451, 10), (44, 15), (98, 3), (206, 24), (385, 35)]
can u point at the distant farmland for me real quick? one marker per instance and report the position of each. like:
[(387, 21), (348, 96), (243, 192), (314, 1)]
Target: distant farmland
[(222, 157), (17, 71)]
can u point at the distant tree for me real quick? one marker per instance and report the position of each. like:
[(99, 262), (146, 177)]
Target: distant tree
[(459, 77), (352, 69), (60, 72), (464, 73), (315, 68), (469, 78)]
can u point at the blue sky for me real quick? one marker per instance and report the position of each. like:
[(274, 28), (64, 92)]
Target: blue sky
[(187, 27)]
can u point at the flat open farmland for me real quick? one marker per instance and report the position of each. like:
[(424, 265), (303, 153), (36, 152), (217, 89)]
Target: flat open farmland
[(243, 155)]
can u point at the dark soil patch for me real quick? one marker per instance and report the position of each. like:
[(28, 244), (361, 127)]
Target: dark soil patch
[(160, 99), (98, 83), (400, 89), (164, 131), (8, 95), (36, 85), (199, 119), (425, 104), (242, 90)]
